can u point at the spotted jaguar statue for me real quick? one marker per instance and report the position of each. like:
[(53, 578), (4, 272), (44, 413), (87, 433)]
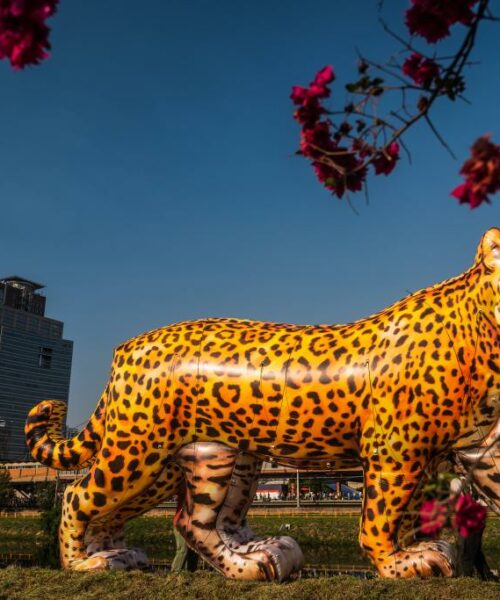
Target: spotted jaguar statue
[(192, 409)]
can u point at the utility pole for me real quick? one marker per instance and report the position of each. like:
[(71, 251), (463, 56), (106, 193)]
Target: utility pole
[(56, 488), (298, 489)]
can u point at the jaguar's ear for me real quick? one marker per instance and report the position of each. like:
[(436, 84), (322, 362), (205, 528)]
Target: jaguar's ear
[(489, 249)]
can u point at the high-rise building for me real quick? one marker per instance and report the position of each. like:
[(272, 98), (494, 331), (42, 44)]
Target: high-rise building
[(35, 361)]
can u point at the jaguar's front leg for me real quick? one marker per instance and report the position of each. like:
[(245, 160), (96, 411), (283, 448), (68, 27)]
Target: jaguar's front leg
[(389, 488)]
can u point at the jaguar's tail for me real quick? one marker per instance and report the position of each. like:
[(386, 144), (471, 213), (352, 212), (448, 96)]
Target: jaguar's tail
[(43, 431)]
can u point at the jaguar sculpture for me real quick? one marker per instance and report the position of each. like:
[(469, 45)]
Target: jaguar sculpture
[(192, 409)]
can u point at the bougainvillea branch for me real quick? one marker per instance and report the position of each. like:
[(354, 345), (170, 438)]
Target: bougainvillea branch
[(450, 82), (343, 144), (24, 35)]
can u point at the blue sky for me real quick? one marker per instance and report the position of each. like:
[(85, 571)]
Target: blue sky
[(148, 173)]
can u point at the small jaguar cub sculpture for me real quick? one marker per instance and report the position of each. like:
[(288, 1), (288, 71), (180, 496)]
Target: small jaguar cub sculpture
[(193, 408)]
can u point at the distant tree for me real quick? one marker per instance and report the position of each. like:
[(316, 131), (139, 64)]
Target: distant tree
[(44, 495), (7, 492), (48, 550), (49, 502)]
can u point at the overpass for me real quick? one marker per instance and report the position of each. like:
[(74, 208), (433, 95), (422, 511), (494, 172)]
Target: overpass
[(32, 472)]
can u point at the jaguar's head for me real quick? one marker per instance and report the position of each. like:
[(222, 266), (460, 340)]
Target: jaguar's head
[(488, 258)]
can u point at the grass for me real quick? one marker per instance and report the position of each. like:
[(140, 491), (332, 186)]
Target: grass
[(18, 534), (40, 584), (324, 540)]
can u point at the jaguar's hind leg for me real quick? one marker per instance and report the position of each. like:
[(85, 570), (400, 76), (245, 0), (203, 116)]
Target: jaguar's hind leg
[(74, 523), (219, 490), (93, 539), (106, 549), (105, 538)]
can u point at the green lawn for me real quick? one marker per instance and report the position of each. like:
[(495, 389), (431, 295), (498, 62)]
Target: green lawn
[(324, 540), (43, 584), (17, 535)]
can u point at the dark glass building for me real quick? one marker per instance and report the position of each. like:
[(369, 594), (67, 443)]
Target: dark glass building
[(35, 361)]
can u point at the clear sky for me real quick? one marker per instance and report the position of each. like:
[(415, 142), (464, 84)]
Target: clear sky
[(148, 173)]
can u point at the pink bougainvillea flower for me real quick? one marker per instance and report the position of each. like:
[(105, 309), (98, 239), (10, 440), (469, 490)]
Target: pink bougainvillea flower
[(433, 516), (24, 36), (466, 194), (308, 98), (427, 24), (431, 19), (318, 91), (344, 171), (324, 76), (338, 182), (318, 88), (481, 173), (469, 516), (299, 94), (422, 70), (309, 113), (316, 140), (385, 160), (329, 177), (355, 178), (459, 11)]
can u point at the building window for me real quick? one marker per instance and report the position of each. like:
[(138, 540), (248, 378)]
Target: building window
[(45, 358)]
